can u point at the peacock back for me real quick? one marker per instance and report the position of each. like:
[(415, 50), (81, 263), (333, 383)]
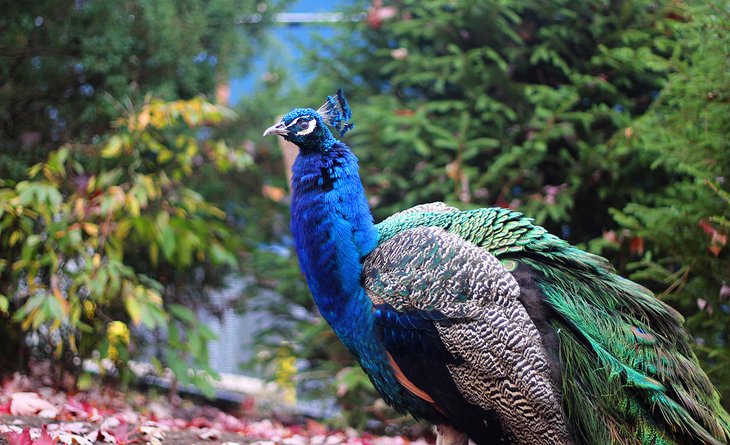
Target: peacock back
[(619, 358)]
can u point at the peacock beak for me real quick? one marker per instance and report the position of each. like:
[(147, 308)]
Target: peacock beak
[(279, 129)]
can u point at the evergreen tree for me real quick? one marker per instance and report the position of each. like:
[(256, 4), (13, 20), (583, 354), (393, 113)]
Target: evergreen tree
[(685, 225), (505, 103), (531, 105)]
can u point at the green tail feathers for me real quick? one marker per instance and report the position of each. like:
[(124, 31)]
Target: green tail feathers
[(629, 375)]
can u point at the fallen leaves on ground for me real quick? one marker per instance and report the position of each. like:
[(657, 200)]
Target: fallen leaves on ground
[(33, 415)]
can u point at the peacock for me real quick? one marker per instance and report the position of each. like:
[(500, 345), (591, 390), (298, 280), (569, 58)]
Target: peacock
[(483, 323)]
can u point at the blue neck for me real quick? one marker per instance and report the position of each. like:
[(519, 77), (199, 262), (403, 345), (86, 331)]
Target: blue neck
[(333, 230)]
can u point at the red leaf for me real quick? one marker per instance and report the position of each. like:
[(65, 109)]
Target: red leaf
[(501, 202), (276, 194), (22, 438), (405, 112), (706, 226), (5, 409), (316, 428), (200, 422), (45, 438), (637, 245), (610, 236), (248, 405), (121, 433), (718, 239), (379, 13)]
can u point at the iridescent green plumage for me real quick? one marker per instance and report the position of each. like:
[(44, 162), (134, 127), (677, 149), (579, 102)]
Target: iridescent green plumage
[(628, 373)]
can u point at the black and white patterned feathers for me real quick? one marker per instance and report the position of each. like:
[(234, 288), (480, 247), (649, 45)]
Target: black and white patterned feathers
[(495, 356)]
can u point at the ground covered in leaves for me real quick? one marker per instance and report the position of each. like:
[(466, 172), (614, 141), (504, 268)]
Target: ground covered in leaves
[(31, 414)]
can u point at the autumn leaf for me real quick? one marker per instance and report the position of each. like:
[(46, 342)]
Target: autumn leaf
[(30, 404), (5, 408), (718, 239), (45, 438), (276, 194), (22, 438), (120, 434), (636, 246)]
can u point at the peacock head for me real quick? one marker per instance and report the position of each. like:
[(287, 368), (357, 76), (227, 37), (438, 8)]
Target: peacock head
[(307, 128)]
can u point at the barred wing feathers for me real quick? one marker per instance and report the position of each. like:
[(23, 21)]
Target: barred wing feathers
[(626, 372), (449, 317)]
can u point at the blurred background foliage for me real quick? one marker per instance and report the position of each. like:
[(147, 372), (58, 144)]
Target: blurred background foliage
[(108, 139), (127, 194)]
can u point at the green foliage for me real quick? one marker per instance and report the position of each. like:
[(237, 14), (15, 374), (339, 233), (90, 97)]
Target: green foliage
[(93, 239), (134, 203), (685, 224), (506, 103), (65, 63)]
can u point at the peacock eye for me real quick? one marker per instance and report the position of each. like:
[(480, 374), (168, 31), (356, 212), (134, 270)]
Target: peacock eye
[(303, 124)]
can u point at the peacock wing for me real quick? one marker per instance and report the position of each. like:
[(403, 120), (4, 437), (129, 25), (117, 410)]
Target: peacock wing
[(449, 316), (628, 374)]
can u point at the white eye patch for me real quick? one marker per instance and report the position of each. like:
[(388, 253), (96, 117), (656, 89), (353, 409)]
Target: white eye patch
[(308, 126)]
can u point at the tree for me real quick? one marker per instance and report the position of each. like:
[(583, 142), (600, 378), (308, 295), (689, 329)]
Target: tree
[(685, 224), (70, 67), (89, 251), (105, 145), (523, 105), (507, 104)]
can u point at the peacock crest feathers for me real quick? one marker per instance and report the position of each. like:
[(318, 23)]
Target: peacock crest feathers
[(336, 112)]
